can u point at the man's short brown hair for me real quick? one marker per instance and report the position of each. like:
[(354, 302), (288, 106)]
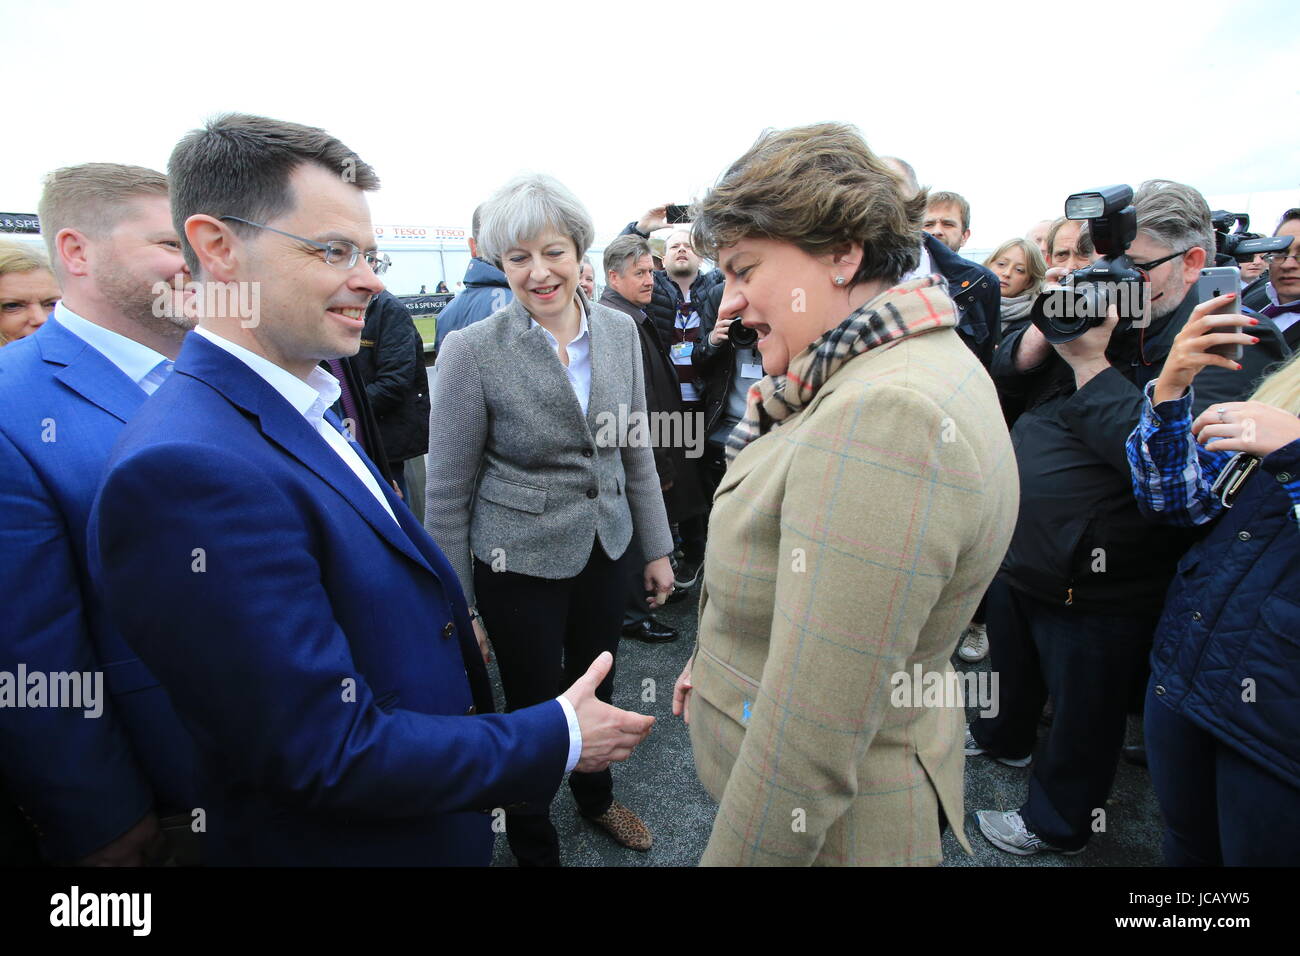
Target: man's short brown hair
[(821, 188), (92, 199), (239, 165), (952, 199)]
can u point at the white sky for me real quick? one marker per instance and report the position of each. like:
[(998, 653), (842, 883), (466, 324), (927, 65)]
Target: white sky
[(1015, 105)]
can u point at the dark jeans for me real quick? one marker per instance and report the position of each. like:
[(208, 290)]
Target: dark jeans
[(1089, 663), (545, 634), (1219, 807)]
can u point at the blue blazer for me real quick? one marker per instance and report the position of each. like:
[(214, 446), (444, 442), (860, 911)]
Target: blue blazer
[(320, 654), (83, 781)]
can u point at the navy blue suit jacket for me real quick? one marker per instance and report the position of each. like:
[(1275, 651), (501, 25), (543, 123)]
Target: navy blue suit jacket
[(320, 654), (83, 781)]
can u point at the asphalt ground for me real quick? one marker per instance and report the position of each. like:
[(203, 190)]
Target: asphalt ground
[(660, 785)]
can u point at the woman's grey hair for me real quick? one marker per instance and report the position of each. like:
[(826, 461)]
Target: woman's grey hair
[(1174, 215), (528, 206)]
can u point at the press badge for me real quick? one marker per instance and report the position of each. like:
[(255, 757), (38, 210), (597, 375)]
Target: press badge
[(751, 370), (681, 352)]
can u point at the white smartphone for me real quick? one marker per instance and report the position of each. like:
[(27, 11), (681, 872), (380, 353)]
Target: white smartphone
[(1216, 281)]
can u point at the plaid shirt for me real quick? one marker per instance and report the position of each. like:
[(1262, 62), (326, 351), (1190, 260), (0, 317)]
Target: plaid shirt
[(1173, 472)]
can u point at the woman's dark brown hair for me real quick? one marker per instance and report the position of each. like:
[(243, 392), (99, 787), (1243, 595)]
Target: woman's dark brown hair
[(821, 188)]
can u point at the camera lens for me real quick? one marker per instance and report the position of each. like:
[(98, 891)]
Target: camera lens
[(741, 336)]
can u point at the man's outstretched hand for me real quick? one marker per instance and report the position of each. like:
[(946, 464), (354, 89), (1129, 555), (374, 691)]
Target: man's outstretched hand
[(609, 735)]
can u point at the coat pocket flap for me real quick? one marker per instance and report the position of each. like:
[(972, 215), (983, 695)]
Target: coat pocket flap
[(513, 495)]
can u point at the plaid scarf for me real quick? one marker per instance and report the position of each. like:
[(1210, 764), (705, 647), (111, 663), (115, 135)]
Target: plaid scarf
[(910, 308)]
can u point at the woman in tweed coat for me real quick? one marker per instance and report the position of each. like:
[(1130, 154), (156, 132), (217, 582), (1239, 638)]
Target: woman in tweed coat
[(870, 494)]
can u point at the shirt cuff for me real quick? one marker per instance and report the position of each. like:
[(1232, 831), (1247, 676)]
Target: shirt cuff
[(575, 734), (1166, 413)]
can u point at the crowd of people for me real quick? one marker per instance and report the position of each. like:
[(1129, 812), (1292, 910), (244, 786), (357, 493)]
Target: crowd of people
[(231, 498)]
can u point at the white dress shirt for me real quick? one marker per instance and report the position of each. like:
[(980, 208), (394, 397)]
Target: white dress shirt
[(579, 367), (139, 363), (311, 399)]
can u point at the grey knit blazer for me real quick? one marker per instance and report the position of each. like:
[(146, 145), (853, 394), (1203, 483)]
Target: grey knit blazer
[(516, 475)]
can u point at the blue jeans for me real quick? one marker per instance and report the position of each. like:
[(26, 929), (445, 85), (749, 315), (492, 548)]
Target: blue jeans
[(1219, 807)]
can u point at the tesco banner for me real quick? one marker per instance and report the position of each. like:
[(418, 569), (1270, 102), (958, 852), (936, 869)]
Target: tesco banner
[(420, 234)]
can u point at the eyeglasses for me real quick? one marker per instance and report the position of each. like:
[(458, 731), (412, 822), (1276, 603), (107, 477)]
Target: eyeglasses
[(338, 252), (1148, 266), (1277, 258)]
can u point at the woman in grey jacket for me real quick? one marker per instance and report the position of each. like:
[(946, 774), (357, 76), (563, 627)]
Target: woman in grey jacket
[(538, 476)]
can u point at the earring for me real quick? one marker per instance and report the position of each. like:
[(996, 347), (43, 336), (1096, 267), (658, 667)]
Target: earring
[(839, 280)]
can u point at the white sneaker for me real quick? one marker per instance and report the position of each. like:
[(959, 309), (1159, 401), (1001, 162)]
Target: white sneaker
[(974, 645), (1007, 831)]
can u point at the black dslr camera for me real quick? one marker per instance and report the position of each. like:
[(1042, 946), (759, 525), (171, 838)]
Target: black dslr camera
[(1233, 241), (1081, 302)]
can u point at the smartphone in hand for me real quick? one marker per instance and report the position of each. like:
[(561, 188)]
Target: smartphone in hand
[(1216, 281), (675, 214)]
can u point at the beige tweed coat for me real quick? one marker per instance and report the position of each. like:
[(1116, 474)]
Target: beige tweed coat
[(847, 545)]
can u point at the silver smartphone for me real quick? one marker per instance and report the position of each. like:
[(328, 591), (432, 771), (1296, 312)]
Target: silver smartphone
[(1216, 281)]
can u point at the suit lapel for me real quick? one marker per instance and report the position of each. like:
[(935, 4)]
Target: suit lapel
[(603, 363), (282, 424), (88, 372)]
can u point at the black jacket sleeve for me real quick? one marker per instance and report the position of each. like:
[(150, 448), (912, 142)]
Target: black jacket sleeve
[(395, 358), (1103, 413)]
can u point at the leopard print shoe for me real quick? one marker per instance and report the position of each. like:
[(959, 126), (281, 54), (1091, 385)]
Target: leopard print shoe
[(624, 826)]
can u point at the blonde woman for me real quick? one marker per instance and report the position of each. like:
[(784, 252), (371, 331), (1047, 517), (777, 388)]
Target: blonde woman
[(1020, 269), (1223, 711), (28, 290)]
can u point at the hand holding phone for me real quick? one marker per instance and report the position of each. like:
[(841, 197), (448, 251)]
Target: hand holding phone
[(1214, 282)]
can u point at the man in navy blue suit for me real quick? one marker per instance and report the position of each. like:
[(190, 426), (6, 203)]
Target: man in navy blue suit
[(96, 786), (314, 639)]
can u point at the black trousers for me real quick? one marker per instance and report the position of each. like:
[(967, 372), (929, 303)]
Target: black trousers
[(545, 634), (1089, 663)]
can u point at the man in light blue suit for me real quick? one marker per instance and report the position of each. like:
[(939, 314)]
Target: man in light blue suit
[(95, 785), (315, 641)]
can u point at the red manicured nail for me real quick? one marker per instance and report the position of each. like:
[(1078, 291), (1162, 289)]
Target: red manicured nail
[(1253, 339), (1238, 364)]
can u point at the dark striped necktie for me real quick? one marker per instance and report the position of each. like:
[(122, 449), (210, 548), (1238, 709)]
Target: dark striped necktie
[(349, 402)]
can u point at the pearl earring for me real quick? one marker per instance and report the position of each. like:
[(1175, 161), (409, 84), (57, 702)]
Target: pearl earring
[(839, 280)]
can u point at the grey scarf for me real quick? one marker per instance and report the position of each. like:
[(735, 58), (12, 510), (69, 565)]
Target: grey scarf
[(1016, 307)]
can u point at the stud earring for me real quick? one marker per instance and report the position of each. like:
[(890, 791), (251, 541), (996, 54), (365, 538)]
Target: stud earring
[(839, 280)]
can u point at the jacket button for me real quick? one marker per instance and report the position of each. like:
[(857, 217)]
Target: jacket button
[(1196, 615), (1243, 535), (448, 629), (1160, 690), (587, 453), (1284, 477), (591, 492)]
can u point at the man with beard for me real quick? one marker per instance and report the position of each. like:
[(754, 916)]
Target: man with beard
[(629, 274), (97, 789), (684, 307), (1075, 604)]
